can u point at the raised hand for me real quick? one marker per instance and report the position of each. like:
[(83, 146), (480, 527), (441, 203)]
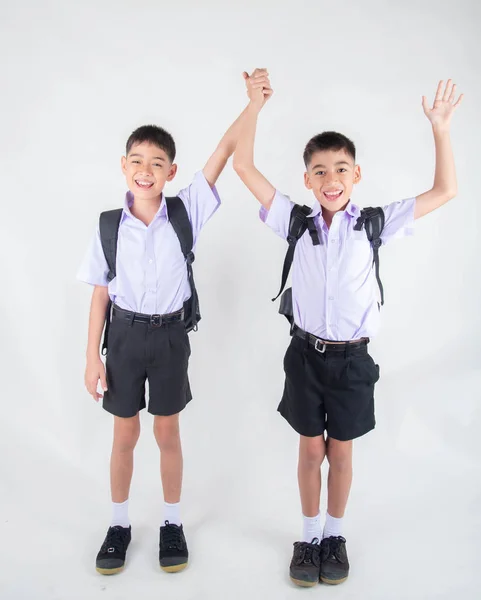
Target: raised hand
[(444, 104), (258, 86)]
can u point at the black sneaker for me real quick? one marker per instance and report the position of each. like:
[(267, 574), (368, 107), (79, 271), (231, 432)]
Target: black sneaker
[(111, 557), (334, 562), (305, 563), (173, 553)]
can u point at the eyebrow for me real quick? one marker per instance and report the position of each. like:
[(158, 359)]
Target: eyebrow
[(340, 162), (153, 158)]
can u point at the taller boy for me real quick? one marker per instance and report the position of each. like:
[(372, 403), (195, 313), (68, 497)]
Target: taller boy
[(148, 339), (330, 376)]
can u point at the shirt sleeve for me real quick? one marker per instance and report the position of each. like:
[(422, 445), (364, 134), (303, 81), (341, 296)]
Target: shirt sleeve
[(94, 268), (278, 216), (201, 202), (399, 220)]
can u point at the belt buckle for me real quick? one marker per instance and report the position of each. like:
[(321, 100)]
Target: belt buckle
[(155, 320), (323, 349)]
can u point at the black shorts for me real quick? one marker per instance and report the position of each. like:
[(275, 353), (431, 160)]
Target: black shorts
[(331, 391), (138, 352)]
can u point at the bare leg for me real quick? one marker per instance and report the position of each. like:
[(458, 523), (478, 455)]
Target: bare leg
[(312, 451), (167, 435), (126, 434), (339, 455)]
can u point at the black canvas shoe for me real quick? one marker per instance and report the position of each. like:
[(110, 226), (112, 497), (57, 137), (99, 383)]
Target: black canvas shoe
[(111, 557), (334, 561), (305, 563), (173, 553)]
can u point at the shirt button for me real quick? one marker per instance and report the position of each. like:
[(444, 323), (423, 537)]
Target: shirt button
[(333, 240), (331, 297), (150, 261)]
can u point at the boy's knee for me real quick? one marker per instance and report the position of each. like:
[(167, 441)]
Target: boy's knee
[(166, 431), (339, 455), (126, 434), (312, 451)]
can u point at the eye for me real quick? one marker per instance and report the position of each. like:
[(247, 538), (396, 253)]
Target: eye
[(157, 165), (320, 173), (136, 161), (342, 170)]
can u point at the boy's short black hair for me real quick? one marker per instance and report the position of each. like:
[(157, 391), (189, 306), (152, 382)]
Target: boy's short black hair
[(153, 135), (328, 140)]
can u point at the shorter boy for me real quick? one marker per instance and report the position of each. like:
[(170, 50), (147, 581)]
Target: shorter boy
[(147, 337)]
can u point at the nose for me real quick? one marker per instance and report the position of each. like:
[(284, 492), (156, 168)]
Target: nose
[(330, 177)]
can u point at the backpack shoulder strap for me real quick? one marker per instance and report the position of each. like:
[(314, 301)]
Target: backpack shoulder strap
[(179, 219), (109, 222), (297, 226), (373, 221)]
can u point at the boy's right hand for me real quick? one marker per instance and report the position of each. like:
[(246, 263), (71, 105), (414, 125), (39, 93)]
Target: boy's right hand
[(94, 372), (258, 87)]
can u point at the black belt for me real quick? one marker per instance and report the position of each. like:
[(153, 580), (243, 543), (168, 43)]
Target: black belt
[(154, 320), (322, 345)]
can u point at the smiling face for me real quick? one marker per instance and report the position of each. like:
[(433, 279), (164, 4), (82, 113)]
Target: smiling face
[(147, 168), (331, 175)]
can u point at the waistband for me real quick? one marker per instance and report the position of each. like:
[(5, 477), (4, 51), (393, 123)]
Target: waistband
[(153, 320)]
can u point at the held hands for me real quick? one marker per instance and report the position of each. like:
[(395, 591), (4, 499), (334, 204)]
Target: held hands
[(95, 370), (444, 106), (258, 87)]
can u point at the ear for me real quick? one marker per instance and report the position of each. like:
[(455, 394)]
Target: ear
[(357, 174), (123, 164), (172, 172), (307, 181)]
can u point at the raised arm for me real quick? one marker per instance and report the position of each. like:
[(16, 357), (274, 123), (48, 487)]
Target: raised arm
[(216, 163), (445, 184), (244, 152)]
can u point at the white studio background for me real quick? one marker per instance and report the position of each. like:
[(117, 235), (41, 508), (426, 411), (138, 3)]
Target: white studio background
[(77, 78)]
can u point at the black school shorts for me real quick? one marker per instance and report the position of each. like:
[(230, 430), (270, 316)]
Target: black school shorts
[(331, 392), (138, 352)]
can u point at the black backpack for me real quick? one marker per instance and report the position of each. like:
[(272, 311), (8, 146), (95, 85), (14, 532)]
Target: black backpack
[(109, 232), (371, 218)]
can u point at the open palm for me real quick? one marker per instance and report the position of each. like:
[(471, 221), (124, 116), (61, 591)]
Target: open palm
[(444, 105)]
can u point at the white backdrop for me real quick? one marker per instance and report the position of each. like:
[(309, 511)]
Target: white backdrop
[(77, 78)]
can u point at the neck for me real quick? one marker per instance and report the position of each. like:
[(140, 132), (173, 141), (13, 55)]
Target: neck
[(145, 209), (328, 215)]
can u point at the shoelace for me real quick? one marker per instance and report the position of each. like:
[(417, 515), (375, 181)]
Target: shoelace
[(305, 552), (115, 539), (171, 537), (331, 548)]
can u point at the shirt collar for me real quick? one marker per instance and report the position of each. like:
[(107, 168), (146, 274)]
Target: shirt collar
[(351, 209), (129, 200)]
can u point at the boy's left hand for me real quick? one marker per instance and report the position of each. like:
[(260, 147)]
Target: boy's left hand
[(444, 106)]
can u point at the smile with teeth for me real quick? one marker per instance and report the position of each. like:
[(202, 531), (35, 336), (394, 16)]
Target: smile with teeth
[(334, 195), (144, 184)]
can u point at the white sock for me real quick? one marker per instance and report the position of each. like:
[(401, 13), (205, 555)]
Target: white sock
[(172, 513), (332, 527), (311, 528), (120, 514)]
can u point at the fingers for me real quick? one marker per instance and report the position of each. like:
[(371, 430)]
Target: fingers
[(245, 75), (439, 92), (91, 384), (425, 104), (452, 94), (447, 90), (103, 380), (460, 99), (259, 72), (92, 390)]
